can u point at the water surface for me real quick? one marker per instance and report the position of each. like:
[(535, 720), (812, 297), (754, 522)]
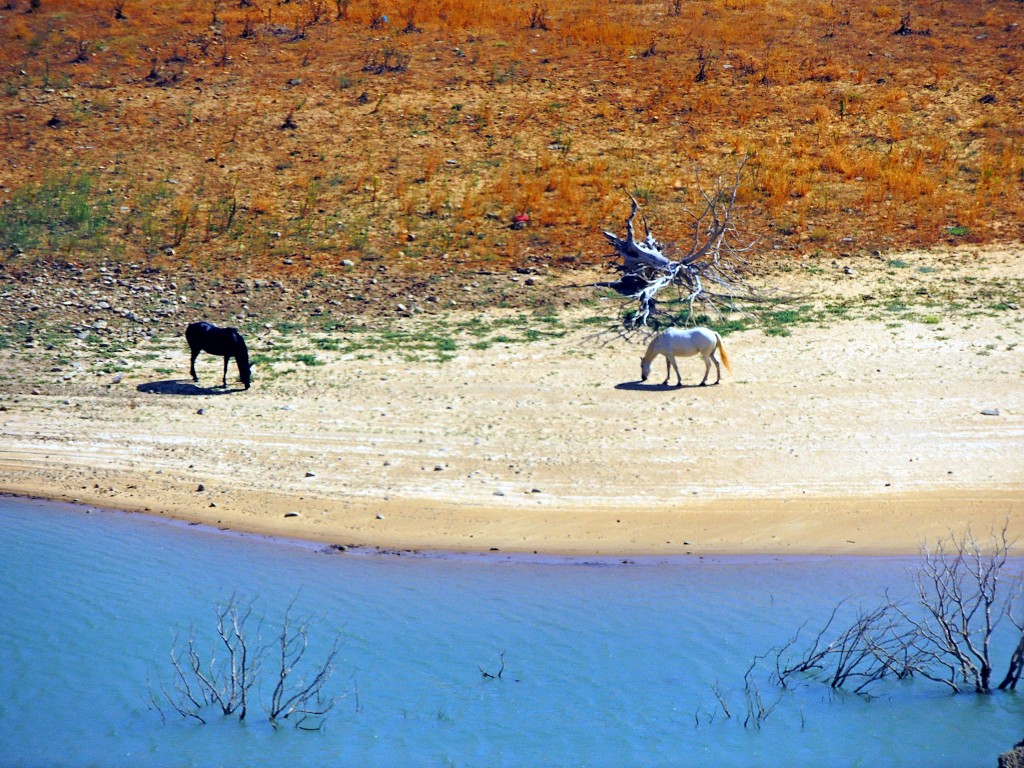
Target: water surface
[(606, 663)]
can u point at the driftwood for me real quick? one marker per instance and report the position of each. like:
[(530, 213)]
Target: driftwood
[(711, 275)]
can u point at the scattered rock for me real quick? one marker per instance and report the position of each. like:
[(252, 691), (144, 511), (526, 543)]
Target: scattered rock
[(201, 411), (1014, 758), (380, 516), (291, 514), (311, 474), (990, 412), (200, 488)]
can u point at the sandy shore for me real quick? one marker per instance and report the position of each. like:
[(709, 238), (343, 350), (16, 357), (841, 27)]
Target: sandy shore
[(865, 436)]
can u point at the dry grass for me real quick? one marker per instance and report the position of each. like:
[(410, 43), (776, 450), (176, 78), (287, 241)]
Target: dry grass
[(289, 136)]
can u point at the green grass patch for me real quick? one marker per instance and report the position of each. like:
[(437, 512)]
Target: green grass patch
[(60, 213), (308, 359)]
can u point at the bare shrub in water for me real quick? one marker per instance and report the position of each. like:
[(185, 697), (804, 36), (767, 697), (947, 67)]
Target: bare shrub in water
[(223, 679), (944, 636)]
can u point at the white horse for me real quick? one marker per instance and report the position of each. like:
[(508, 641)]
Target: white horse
[(685, 342)]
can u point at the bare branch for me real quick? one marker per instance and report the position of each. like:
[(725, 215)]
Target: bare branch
[(709, 276), (945, 636)]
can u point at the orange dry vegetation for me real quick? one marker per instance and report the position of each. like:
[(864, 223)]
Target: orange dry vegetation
[(293, 135)]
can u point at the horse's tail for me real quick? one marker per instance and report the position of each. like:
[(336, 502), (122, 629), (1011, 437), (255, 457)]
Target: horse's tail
[(725, 356)]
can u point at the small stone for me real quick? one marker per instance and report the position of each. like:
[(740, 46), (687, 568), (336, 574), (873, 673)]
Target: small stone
[(200, 488), (291, 514), (380, 516), (201, 411), (311, 474), (990, 412), (438, 467)]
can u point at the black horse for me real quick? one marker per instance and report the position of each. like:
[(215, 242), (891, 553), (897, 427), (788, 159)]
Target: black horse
[(226, 342)]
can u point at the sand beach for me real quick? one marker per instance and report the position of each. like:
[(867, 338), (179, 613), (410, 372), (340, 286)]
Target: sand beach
[(874, 433)]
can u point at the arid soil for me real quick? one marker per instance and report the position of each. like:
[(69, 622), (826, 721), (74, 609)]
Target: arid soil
[(871, 430)]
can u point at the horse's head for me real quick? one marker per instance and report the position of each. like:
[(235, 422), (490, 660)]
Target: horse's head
[(645, 369), (242, 358)]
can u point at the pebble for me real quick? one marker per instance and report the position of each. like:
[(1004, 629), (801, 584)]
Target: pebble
[(990, 412)]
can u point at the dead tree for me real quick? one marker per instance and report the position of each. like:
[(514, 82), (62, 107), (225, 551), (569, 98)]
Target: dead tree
[(871, 648), (710, 275), (958, 590), (225, 678), (1013, 672), (944, 636), (303, 697)]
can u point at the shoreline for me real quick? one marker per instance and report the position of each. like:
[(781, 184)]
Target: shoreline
[(427, 553), (898, 524)]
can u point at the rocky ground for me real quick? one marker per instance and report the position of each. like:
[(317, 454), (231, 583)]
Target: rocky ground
[(881, 406)]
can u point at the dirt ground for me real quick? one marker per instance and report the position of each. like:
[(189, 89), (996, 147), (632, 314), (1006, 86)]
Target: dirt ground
[(875, 433)]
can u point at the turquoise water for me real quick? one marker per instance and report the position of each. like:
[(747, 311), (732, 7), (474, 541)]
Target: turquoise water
[(606, 663)]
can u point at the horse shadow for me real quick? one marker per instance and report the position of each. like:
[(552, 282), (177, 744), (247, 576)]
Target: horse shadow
[(643, 386), (183, 387)]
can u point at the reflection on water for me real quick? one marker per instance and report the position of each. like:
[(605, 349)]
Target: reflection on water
[(607, 664)]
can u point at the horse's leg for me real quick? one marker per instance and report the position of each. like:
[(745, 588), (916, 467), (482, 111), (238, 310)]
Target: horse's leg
[(718, 368), (192, 369), (679, 378), (224, 382), (668, 368), (707, 370)]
